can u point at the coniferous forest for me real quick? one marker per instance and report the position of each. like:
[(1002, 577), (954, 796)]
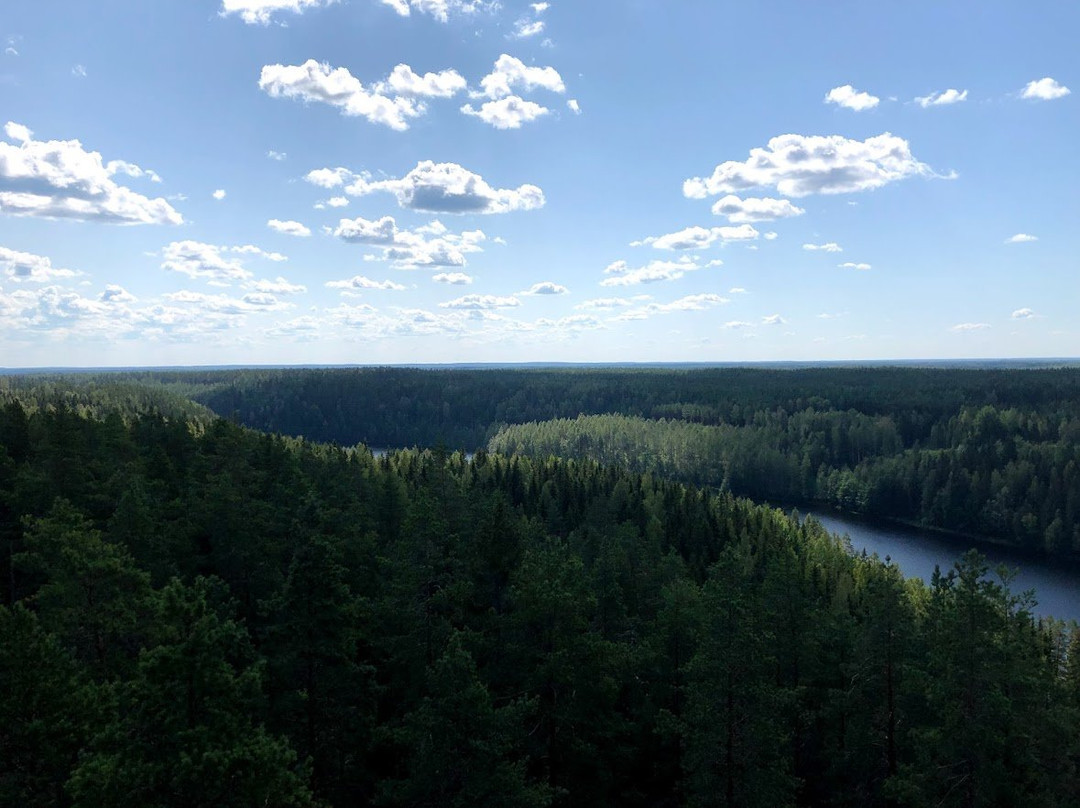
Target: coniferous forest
[(215, 595)]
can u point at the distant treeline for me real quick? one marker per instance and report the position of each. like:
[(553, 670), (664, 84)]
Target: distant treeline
[(201, 615), (988, 452)]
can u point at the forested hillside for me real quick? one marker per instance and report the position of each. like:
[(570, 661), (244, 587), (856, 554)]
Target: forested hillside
[(209, 616), (989, 452)]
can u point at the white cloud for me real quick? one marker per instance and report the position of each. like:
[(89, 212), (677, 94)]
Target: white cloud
[(773, 319), (698, 302), (853, 265), (26, 267), (507, 113), (699, 238), (453, 278), (510, 74), (653, 272), (436, 188), (754, 209), (219, 194), (735, 325), (1023, 314), (966, 327), (114, 167), (253, 302), (440, 9), (79, 71), (539, 8), (403, 80), (1046, 89), (276, 155), (1021, 238), (313, 81), (479, 302), (328, 177), (116, 294), (59, 179), (360, 282), (574, 106), (289, 227), (847, 96), (278, 286), (940, 99), (367, 231), (338, 201), (259, 12), (830, 247), (411, 249), (607, 303), (251, 249), (800, 165), (546, 288), (525, 28), (63, 313), (210, 262)]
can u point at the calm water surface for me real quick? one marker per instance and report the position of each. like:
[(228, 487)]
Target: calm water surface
[(917, 552)]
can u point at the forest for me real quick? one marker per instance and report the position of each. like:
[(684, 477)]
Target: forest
[(586, 612), (985, 452)]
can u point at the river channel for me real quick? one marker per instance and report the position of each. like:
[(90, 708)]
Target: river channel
[(917, 552)]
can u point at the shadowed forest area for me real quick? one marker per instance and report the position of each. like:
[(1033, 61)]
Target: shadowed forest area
[(588, 611)]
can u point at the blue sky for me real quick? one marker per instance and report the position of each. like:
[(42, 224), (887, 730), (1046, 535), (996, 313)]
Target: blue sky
[(383, 181)]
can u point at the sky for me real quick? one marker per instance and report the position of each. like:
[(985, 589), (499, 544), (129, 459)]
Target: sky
[(197, 182)]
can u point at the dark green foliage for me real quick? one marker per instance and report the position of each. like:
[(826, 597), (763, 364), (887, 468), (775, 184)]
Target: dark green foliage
[(186, 732), (209, 616)]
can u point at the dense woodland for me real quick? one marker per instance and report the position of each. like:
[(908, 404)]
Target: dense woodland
[(986, 452), (198, 614)]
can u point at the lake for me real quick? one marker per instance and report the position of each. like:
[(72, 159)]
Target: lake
[(917, 552)]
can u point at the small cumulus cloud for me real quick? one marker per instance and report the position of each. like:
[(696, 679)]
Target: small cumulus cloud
[(78, 71), (546, 288), (1045, 89), (574, 106), (441, 10), (1021, 238), (1023, 314), (211, 262), (962, 328), (853, 265), (481, 302), (435, 188), (219, 194), (278, 286), (289, 227), (359, 282), (754, 209), (260, 12), (800, 165), (507, 113), (621, 274), (941, 99), (830, 247), (698, 238), (453, 278), (59, 179), (27, 267), (276, 155), (391, 102), (850, 98), (773, 319)]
